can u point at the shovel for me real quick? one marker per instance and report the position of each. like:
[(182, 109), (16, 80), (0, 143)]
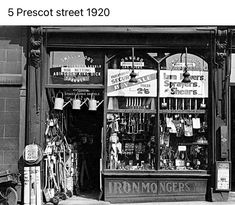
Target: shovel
[(45, 189)]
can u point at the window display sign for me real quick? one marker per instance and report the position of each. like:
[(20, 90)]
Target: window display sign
[(76, 67), (119, 85), (171, 84), (222, 175)]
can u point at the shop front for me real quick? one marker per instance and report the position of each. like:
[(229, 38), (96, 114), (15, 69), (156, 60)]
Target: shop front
[(157, 136), (130, 113)]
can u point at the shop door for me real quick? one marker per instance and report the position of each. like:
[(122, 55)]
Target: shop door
[(233, 135), (84, 133), (79, 128)]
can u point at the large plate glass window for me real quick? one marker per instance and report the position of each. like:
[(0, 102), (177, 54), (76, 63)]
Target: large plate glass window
[(183, 113), (131, 111)]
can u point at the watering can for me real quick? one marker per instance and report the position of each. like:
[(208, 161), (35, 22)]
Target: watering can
[(94, 104), (59, 102), (77, 103)]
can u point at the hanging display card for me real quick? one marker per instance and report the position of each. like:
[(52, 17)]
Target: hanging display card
[(171, 84), (223, 175), (196, 123), (119, 85)]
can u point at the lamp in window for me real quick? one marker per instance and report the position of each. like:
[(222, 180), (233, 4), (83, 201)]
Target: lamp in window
[(133, 74), (186, 74)]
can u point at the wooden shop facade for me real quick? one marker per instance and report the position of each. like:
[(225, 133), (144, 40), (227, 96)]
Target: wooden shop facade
[(144, 110)]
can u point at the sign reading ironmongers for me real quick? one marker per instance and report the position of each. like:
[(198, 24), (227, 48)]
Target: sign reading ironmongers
[(148, 187)]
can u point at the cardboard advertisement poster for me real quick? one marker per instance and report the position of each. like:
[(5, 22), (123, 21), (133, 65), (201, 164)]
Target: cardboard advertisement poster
[(222, 175), (171, 84), (119, 85)]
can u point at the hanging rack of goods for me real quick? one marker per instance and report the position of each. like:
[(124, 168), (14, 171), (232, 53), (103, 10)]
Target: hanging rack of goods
[(58, 167)]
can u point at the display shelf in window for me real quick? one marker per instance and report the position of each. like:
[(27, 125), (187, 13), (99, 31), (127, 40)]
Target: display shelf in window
[(131, 141), (183, 104), (132, 111), (126, 104), (183, 111)]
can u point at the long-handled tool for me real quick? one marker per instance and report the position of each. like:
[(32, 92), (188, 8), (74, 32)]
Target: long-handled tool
[(46, 190)]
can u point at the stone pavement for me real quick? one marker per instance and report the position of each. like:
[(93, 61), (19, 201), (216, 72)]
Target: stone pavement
[(183, 203), (91, 199), (79, 200)]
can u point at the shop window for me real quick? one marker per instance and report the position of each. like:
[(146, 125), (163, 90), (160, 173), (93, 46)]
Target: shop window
[(158, 122), (131, 112), (183, 114)]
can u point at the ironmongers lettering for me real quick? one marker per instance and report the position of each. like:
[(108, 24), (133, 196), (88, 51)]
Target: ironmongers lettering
[(134, 187), (173, 187), (125, 187)]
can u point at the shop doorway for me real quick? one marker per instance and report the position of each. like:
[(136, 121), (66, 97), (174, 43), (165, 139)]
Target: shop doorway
[(233, 136), (84, 133), (80, 127)]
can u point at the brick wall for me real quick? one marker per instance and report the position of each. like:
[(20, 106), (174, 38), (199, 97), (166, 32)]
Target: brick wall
[(12, 49), (9, 127)]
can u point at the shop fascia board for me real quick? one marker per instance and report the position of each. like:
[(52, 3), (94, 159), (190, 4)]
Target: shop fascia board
[(130, 29)]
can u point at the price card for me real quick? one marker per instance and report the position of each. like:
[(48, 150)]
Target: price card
[(182, 148)]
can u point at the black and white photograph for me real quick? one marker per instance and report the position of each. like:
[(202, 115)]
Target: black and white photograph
[(96, 110)]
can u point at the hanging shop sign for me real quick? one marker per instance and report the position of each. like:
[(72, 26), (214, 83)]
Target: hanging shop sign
[(171, 84), (119, 85), (223, 175), (76, 67)]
